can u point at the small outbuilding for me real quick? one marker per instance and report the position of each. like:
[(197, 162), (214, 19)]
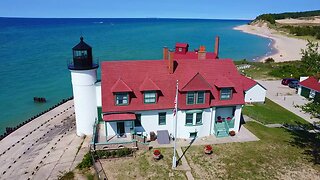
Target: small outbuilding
[(254, 92), (309, 88)]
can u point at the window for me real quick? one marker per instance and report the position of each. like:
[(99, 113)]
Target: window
[(137, 121), (180, 49), (122, 98), (225, 93), (199, 118), (193, 134), (189, 119), (150, 97), (162, 118), (195, 97), (200, 97), (190, 98)]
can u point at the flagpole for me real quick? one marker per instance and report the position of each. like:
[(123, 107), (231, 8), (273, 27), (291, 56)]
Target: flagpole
[(174, 159)]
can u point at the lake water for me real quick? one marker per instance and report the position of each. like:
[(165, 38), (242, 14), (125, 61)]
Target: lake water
[(34, 52)]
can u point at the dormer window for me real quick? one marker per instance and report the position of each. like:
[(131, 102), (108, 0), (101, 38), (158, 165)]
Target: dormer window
[(195, 97), (122, 99), (150, 97), (225, 93)]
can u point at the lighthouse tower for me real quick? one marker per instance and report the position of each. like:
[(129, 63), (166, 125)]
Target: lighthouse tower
[(84, 76)]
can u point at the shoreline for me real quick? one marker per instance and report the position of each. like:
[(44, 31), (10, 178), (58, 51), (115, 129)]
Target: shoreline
[(282, 48)]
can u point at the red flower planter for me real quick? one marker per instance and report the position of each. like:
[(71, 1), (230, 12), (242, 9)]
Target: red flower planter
[(232, 133), (156, 154), (208, 149)]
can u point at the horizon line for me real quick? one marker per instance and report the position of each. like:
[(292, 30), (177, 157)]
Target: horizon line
[(243, 19)]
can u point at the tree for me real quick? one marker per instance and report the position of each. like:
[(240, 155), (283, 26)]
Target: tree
[(311, 62), (311, 58)]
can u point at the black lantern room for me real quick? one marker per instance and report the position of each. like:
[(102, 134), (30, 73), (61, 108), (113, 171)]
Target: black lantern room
[(82, 57)]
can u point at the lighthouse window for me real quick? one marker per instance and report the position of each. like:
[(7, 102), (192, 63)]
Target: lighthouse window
[(122, 98), (80, 54)]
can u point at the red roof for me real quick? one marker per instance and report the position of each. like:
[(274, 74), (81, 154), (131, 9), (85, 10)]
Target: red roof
[(247, 83), (223, 82), (120, 86), (148, 85), (192, 74), (194, 55), (197, 83), (311, 83), (119, 117), (182, 45)]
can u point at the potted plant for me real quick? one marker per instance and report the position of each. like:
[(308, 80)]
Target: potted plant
[(156, 154), (208, 149), (232, 133)]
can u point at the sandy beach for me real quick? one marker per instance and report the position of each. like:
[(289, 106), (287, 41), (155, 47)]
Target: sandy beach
[(285, 48)]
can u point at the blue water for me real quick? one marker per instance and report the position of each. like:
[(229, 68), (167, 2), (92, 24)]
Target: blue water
[(34, 52)]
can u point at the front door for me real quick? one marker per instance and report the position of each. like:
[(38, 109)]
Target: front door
[(120, 128)]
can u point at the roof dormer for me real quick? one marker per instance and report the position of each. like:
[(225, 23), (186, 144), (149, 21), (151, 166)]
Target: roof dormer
[(181, 48)]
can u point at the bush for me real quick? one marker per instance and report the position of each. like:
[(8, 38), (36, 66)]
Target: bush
[(86, 162), (114, 153), (67, 176), (269, 60)]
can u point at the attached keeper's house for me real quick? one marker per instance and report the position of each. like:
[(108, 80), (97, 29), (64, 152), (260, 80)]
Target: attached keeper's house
[(137, 97)]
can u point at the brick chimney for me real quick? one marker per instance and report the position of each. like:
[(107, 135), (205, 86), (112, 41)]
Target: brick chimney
[(165, 53), (171, 62), (202, 52), (216, 46)]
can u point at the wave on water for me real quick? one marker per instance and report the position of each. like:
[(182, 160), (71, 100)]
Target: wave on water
[(98, 22)]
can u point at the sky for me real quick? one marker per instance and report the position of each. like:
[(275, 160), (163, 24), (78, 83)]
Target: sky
[(206, 9)]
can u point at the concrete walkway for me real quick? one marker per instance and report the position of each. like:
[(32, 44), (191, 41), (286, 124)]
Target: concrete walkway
[(42, 149), (287, 98), (244, 135), (184, 166)]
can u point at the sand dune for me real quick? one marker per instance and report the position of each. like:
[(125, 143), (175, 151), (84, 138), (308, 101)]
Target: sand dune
[(288, 49), (314, 21)]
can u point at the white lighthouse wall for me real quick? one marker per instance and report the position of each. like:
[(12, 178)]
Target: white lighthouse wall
[(84, 92), (98, 94)]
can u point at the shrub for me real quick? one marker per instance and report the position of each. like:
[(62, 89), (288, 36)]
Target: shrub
[(67, 176), (86, 162), (269, 60)]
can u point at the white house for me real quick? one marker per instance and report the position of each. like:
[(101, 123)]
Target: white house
[(254, 92), (136, 98)]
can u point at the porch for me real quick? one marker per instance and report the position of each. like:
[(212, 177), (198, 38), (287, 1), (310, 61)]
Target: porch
[(226, 119), (117, 131)]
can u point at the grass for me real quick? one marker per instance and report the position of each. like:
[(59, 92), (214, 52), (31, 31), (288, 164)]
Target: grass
[(274, 70), (271, 113), (67, 176), (143, 166), (273, 157), (258, 70)]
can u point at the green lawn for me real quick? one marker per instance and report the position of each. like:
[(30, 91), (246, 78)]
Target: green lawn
[(260, 70), (143, 166), (271, 113), (275, 156)]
